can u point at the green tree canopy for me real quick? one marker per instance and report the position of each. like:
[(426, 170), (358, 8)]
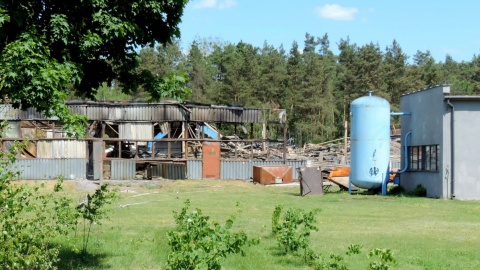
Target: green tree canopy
[(49, 47)]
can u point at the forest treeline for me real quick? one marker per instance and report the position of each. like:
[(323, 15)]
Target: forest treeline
[(313, 84)]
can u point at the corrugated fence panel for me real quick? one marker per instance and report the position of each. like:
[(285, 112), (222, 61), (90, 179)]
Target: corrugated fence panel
[(172, 171), (44, 169), (194, 169), (123, 169), (235, 169), (175, 171)]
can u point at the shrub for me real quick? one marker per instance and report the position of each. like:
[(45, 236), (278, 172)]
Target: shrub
[(29, 219), (419, 191), (197, 243), (293, 229), (338, 262), (92, 210)]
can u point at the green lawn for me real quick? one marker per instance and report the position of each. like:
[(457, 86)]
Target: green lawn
[(423, 233)]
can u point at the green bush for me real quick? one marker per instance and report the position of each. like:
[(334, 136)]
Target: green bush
[(29, 219), (197, 243), (419, 191), (293, 229), (92, 210)]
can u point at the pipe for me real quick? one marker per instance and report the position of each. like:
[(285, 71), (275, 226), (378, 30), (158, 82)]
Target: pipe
[(406, 153), (452, 151), (400, 113)]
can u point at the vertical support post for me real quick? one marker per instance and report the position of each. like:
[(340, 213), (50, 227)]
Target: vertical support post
[(101, 160), (184, 141), (284, 143), (169, 143), (264, 136), (345, 141)]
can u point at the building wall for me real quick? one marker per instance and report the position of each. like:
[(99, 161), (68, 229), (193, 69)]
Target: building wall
[(426, 122), (466, 185)]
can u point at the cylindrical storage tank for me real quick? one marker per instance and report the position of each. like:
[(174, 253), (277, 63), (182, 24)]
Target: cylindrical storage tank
[(370, 142)]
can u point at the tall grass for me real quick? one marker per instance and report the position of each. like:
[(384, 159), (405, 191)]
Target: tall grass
[(423, 233)]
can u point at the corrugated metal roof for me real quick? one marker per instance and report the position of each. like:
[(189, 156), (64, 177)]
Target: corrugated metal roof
[(152, 113)]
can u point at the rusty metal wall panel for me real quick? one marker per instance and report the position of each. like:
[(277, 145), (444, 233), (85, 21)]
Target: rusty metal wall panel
[(147, 112), (78, 109), (194, 169), (44, 169), (123, 169), (115, 113), (136, 131), (9, 113), (61, 149), (226, 114), (96, 113)]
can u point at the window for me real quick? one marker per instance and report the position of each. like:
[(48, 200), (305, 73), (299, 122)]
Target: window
[(423, 158)]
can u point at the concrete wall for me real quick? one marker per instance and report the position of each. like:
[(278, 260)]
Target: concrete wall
[(466, 185), (426, 122)]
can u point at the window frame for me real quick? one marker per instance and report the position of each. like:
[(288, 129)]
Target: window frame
[(423, 158)]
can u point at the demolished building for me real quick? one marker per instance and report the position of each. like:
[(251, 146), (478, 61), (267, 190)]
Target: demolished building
[(148, 140)]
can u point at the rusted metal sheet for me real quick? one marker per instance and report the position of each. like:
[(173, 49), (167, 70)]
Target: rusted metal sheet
[(226, 114), (78, 109), (9, 113), (149, 112), (44, 169), (276, 174), (211, 160), (123, 169), (136, 131), (61, 149)]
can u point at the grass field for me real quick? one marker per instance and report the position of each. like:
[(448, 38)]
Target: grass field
[(423, 233)]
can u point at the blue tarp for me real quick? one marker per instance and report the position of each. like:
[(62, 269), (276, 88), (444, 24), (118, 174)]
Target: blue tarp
[(210, 132), (158, 136)]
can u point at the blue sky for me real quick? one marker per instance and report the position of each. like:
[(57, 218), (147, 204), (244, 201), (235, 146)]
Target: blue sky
[(442, 27)]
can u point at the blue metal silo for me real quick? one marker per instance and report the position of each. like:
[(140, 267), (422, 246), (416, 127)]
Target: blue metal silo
[(370, 142)]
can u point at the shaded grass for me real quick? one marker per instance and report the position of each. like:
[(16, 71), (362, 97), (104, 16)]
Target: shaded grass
[(423, 233)]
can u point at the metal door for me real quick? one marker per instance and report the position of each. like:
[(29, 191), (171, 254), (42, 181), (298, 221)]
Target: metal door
[(211, 160)]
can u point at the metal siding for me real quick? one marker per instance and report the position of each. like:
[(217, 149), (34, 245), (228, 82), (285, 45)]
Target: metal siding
[(78, 109), (194, 169), (61, 149), (123, 169), (142, 112), (136, 131), (172, 171), (44, 169), (175, 171)]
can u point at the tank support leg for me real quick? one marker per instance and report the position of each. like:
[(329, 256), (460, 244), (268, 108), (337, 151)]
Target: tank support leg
[(349, 186), (384, 186)]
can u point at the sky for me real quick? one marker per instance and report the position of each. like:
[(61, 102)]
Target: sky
[(441, 27)]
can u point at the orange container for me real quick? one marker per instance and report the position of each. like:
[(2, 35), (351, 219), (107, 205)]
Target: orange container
[(277, 174)]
